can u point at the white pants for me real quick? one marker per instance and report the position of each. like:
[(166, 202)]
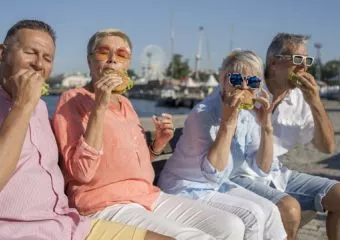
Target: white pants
[(178, 217), (260, 216)]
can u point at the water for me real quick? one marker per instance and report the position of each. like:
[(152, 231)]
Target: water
[(144, 108)]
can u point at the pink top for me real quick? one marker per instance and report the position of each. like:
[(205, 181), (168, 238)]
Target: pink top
[(33, 204), (121, 173)]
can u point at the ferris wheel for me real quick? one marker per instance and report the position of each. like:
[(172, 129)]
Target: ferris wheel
[(152, 62)]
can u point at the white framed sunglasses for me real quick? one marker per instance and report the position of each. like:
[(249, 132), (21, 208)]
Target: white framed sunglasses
[(299, 59)]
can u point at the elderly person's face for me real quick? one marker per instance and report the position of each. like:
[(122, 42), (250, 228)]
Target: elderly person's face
[(28, 50), (247, 79), (110, 52), (283, 65)]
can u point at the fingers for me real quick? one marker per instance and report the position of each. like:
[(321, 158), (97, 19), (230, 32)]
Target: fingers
[(36, 77), (168, 132), (309, 77), (108, 80), (305, 84), (307, 81), (164, 121), (263, 101), (155, 121), (237, 99), (234, 99), (265, 94), (108, 83), (27, 75), (164, 124), (166, 115)]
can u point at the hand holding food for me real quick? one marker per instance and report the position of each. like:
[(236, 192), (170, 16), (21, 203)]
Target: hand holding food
[(295, 78), (308, 86), (127, 83), (247, 102)]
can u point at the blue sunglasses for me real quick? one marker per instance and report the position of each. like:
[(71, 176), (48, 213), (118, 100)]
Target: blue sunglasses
[(236, 80)]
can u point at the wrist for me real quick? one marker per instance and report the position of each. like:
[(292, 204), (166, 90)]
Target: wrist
[(228, 123), (314, 101), (228, 129), (156, 151), (100, 110), (315, 104), (267, 129), (25, 107)]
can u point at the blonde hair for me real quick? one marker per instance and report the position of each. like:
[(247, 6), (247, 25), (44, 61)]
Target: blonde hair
[(104, 33), (239, 61)]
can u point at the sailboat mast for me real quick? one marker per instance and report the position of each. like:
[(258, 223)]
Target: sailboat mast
[(198, 55)]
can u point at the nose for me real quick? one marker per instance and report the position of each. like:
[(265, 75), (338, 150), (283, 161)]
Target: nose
[(37, 64), (244, 84), (302, 66), (111, 59)]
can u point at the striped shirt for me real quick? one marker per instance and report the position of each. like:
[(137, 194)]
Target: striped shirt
[(33, 205)]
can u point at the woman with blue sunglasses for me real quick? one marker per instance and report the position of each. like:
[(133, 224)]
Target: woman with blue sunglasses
[(214, 147)]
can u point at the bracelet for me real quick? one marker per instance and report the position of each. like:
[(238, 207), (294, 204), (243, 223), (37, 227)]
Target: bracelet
[(152, 151)]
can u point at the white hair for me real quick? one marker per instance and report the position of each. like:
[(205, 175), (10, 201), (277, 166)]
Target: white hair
[(104, 33), (239, 61)]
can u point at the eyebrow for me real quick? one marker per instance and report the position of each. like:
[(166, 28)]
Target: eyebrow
[(123, 49), (104, 47)]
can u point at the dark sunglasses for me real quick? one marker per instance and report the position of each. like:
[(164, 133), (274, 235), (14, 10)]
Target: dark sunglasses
[(236, 80)]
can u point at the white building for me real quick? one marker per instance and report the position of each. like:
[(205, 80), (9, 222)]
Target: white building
[(74, 81)]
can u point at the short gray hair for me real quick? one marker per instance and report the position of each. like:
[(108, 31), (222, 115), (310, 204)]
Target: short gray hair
[(32, 25), (282, 41), (241, 60), (104, 33)]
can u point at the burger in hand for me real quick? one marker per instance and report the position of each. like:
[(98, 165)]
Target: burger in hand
[(295, 79), (127, 83), (248, 101)]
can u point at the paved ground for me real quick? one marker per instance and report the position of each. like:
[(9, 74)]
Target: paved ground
[(306, 159)]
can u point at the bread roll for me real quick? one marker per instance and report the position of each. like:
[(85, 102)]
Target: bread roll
[(127, 83), (248, 100)]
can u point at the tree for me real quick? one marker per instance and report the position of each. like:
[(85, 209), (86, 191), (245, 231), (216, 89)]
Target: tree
[(330, 69), (132, 74), (312, 69), (178, 69)]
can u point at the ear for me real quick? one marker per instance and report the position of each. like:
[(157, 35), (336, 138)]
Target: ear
[(272, 61)]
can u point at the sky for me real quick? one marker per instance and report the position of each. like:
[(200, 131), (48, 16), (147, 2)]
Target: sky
[(248, 24)]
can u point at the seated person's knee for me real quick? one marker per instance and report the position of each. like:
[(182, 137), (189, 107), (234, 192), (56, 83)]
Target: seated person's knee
[(290, 209)]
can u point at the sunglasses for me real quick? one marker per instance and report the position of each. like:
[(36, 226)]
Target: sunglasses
[(299, 59), (236, 80), (103, 54)]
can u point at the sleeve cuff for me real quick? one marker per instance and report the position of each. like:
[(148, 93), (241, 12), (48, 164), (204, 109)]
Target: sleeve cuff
[(210, 172), (88, 150)]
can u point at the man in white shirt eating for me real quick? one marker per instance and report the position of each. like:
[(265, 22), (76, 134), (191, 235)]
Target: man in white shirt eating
[(298, 118)]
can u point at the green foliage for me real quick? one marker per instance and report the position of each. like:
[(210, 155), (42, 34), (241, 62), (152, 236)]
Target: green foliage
[(328, 70), (132, 74), (178, 68)]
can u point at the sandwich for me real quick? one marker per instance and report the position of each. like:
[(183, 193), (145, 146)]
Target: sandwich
[(127, 83), (296, 79), (248, 99), (44, 89)]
